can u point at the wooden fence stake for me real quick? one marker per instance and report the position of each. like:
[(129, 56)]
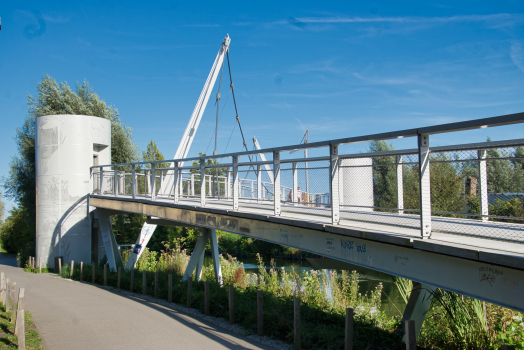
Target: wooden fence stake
[(206, 296), (132, 278), (170, 288), (507, 347), (411, 337), (59, 267), (156, 284), (144, 282), (13, 301), (231, 304), (93, 272), (21, 330), (260, 313), (40, 265), (119, 277), (8, 296), (105, 274), (189, 287), (72, 268), (2, 288), (296, 325), (21, 306), (348, 345), (33, 265)]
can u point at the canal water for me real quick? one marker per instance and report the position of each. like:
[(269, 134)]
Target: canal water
[(392, 302)]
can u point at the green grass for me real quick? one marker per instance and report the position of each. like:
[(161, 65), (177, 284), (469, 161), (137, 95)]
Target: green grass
[(9, 341)]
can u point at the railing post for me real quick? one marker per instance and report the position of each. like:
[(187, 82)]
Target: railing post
[(295, 184), (400, 186), (101, 181), (235, 183), (153, 182), (210, 185), (252, 189), (425, 189), (483, 182), (115, 180), (259, 184), (176, 182), (276, 183), (203, 182), (333, 184), (133, 181), (192, 191), (147, 182), (228, 183)]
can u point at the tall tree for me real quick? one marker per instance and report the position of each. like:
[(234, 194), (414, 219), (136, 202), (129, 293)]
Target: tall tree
[(54, 98)]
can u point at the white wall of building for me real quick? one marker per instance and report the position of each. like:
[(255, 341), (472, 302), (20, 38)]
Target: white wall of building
[(65, 149)]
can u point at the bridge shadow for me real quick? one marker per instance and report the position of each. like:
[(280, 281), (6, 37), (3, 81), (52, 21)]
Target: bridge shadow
[(200, 325)]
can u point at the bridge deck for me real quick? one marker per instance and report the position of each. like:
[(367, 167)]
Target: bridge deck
[(465, 238)]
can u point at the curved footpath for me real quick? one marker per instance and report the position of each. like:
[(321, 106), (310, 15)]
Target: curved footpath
[(72, 315)]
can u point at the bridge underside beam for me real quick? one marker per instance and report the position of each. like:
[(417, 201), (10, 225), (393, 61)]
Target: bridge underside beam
[(461, 271)]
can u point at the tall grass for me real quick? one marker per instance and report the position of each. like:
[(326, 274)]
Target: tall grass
[(324, 297)]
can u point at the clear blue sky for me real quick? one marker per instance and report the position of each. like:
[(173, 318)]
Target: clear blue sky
[(336, 68)]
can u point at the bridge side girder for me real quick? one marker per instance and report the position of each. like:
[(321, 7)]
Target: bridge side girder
[(398, 255)]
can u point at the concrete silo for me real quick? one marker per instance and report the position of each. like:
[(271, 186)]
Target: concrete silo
[(66, 146)]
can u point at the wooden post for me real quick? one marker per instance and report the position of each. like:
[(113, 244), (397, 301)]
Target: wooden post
[(131, 282), (296, 325), (93, 272), (231, 304), (13, 301), (59, 267), (21, 330), (8, 296), (21, 306), (507, 347), (260, 313), (189, 287), (411, 337), (105, 274), (156, 284), (72, 267), (81, 271), (144, 282), (40, 265), (33, 264), (348, 345), (206, 297), (170, 288), (119, 277), (2, 288)]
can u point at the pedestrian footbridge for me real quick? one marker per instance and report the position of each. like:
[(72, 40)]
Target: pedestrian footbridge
[(432, 214)]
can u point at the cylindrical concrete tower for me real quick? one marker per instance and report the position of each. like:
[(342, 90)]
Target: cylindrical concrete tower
[(66, 146)]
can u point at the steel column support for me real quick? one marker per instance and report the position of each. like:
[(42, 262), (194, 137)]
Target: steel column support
[(295, 184), (425, 188), (400, 186), (333, 184), (115, 181), (176, 179), (153, 181), (259, 183), (212, 234), (203, 182), (111, 249), (197, 257), (276, 184), (483, 183), (133, 181), (235, 183), (418, 305)]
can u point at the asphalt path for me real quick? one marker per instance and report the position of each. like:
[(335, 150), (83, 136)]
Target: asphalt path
[(73, 315)]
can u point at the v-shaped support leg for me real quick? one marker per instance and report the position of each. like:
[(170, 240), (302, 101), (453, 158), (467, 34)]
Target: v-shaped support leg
[(197, 258)]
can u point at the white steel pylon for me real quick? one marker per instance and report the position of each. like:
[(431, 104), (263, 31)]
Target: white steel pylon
[(183, 148)]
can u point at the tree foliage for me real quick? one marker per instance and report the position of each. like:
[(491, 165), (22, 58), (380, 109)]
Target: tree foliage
[(53, 98)]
